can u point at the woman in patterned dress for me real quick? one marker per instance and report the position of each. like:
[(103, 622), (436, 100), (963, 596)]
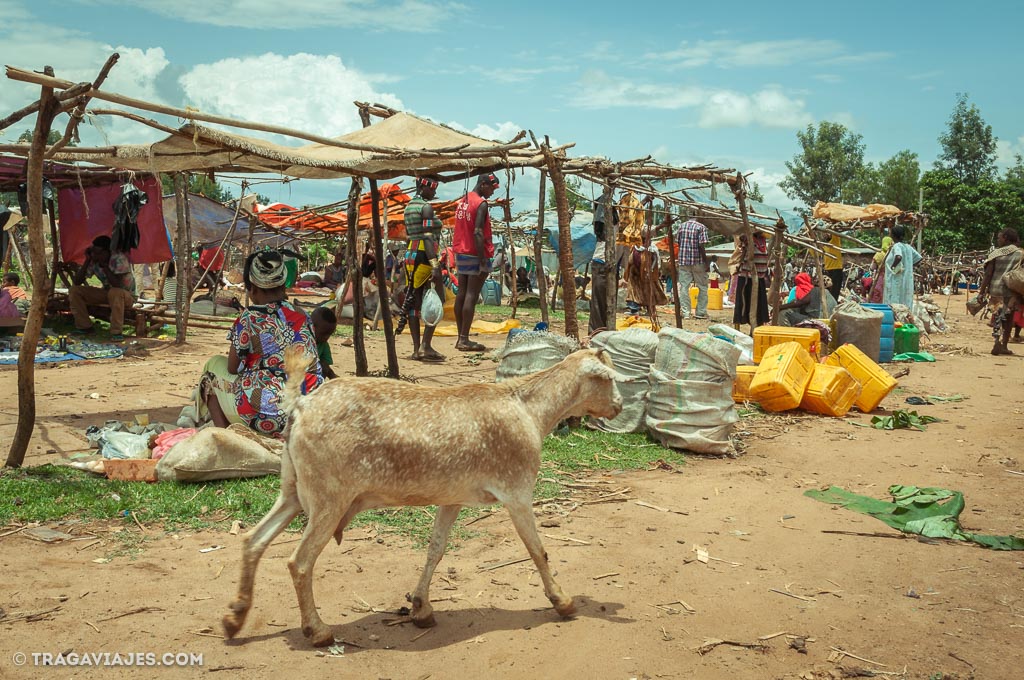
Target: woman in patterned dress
[(259, 338)]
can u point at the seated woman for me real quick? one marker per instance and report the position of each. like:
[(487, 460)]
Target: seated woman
[(807, 304), (243, 387)]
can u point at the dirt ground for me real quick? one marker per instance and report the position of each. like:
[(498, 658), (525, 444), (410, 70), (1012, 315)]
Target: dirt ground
[(781, 563)]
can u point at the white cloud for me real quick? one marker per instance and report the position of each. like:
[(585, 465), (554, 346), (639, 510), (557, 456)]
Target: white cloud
[(272, 15), (770, 107), (738, 54), (829, 78), (501, 132), (768, 182), (313, 93), (1007, 151)]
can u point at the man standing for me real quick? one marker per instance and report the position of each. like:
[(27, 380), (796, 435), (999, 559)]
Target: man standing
[(474, 249), (423, 229), (693, 266), (114, 272)]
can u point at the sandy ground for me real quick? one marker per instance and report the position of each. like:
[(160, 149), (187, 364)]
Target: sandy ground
[(630, 566)]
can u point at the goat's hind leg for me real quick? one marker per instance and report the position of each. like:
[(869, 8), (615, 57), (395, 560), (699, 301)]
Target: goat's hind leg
[(525, 524), (323, 521), (422, 613), (253, 546)]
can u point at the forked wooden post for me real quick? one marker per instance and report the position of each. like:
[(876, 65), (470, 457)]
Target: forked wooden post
[(565, 262), (674, 267), (49, 106), (354, 280), (538, 251)]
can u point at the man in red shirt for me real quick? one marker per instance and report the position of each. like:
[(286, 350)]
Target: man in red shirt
[(474, 249)]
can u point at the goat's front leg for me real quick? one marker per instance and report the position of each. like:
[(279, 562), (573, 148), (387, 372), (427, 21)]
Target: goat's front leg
[(525, 524), (322, 523), (253, 546), (422, 613)]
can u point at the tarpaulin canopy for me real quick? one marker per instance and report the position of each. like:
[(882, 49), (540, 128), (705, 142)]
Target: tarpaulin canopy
[(210, 220), (402, 144)]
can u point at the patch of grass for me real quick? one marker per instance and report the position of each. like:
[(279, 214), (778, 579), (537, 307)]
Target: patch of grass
[(55, 492)]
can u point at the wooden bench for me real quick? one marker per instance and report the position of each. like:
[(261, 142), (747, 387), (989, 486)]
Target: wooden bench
[(137, 315)]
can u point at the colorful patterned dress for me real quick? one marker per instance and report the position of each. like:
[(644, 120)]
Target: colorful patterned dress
[(260, 336)]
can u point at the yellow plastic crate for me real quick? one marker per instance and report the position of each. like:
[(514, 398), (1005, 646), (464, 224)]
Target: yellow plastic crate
[(875, 381), (831, 391), (741, 386), (769, 336), (782, 377)]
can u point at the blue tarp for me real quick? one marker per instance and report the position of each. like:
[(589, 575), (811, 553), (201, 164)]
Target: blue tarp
[(724, 199), (581, 228)]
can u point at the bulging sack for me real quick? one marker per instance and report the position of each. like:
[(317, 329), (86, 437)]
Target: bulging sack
[(1014, 280), (431, 311)]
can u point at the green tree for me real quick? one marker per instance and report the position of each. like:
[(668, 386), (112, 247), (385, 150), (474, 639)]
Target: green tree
[(967, 216), (865, 187), (898, 180), (755, 193), (52, 138), (827, 168), (968, 145), (198, 184), (574, 192)]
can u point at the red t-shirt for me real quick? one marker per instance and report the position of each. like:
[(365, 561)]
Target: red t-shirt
[(463, 242)]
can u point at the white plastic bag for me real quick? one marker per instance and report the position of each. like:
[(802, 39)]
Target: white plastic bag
[(431, 311)]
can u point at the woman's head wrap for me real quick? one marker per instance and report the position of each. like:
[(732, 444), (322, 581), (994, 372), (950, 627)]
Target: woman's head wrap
[(803, 285), (265, 270)]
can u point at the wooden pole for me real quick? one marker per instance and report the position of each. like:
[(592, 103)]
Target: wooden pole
[(379, 234), (566, 270), (611, 259), (382, 283), (48, 108), (755, 287), (377, 315), (23, 261), (542, 281), (514, 293), (55, 271), (775, 293), (820, 265), (354, 280), (181, 258), (675, 272), (193, 115)]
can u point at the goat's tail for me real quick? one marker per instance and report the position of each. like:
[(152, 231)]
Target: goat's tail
[(296, 361)]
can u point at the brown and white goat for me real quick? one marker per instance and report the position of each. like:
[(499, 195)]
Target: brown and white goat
[(357, 444)]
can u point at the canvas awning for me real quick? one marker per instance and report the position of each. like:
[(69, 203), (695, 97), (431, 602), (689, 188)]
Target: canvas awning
[(402, 144)]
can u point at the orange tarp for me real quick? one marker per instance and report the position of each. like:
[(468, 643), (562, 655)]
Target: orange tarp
[(284, 216)]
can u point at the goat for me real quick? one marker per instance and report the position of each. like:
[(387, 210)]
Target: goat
[(357, 444)]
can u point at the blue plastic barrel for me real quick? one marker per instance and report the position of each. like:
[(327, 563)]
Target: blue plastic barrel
[(888, 338)]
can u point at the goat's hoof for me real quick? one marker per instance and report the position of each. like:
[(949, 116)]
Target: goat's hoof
[(232, 624), (565, 608), (421, 621), (320, 636)]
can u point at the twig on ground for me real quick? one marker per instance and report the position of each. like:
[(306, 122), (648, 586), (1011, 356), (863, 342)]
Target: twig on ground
[(137, 610)]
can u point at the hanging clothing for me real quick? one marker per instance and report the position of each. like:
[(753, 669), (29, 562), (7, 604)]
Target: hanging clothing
[(126, 218), (643, 280), (899, 278), (632, 220)]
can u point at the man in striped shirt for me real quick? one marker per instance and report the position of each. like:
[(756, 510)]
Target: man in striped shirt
[(693, 266)]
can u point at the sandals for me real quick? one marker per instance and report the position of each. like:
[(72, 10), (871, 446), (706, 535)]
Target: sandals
[(432, 358), (470, 346)]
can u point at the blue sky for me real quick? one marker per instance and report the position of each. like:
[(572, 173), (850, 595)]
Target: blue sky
[(688, 83)]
